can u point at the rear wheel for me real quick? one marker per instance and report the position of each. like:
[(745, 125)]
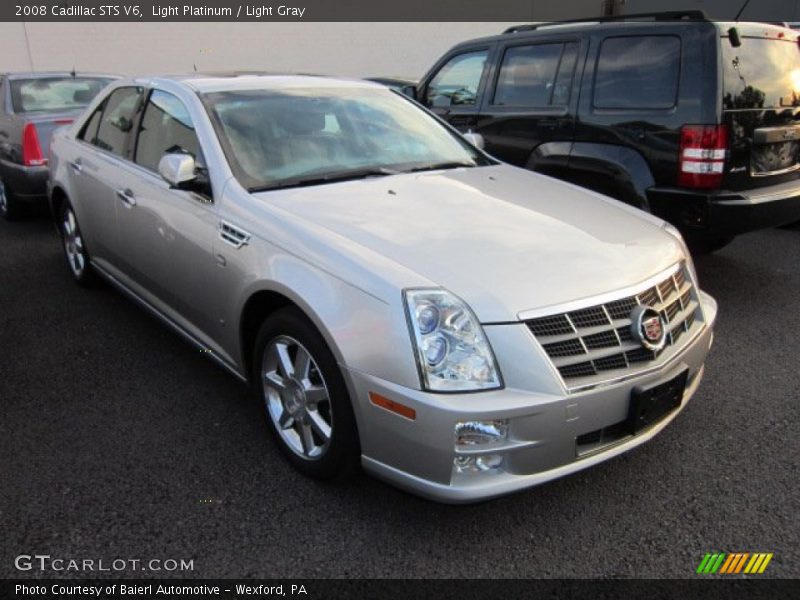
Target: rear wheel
[(74, 248), (304, 398), (8, 209)]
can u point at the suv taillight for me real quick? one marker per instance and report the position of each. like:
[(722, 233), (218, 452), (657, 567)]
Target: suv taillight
[(702, 155), (31, 149)]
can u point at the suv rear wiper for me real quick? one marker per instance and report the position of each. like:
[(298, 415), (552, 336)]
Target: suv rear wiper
[(441, 165), (326, 178)]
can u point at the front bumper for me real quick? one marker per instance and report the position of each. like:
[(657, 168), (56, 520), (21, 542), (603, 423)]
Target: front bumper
[(728, 213), (544, 429)]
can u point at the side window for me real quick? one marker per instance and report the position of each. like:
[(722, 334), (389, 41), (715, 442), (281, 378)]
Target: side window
[(457, 82), (539, 75), (117, 120), (638, 72), (89, 132), (166, 127), (2, 96)]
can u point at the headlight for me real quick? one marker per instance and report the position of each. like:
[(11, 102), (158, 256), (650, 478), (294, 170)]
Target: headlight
[(673, 231), (452, 351)]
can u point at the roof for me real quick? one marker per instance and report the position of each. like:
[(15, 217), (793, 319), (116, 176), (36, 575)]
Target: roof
[(217, 82), (48, 74)]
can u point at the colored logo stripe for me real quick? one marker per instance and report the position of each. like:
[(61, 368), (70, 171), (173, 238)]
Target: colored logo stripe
[(734, 562)]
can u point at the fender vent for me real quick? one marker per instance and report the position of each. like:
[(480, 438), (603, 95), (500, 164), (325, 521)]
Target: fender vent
[(232, 235)]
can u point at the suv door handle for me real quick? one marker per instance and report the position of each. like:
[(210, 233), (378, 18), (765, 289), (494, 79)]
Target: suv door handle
[(463, 121), (76, 165), (126, 196)]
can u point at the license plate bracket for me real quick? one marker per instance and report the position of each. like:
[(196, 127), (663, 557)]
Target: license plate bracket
[(651, 404)]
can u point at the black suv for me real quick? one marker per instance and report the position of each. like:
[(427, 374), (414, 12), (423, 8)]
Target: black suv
[(695, 121)]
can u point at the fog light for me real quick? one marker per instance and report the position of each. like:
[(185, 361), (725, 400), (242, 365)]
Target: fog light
[(473, 433), (478, 464)]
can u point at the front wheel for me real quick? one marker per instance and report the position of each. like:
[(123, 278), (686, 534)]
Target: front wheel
[(304, 398), (74, 248)]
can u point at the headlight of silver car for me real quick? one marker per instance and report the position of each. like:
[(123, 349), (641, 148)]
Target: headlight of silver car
[(452, 351)]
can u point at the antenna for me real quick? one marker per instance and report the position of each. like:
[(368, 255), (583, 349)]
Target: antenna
[(741, 10), (28, 44)]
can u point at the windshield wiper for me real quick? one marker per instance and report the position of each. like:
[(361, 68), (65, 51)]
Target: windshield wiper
[(453, 164), (348, 175)]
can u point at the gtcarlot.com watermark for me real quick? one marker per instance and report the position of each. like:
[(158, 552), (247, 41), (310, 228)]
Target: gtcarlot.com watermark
[(45, 562)]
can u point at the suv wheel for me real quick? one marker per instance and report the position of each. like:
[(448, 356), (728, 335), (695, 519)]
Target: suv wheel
[(703, 243), (304, 398), (74, 248)]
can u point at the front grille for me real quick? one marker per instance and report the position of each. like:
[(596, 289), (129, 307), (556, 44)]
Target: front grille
[(593, 341)]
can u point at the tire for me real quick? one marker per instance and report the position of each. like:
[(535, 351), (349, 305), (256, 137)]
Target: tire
[(703, 243), (8, 207), (310, 414), (75, 252)]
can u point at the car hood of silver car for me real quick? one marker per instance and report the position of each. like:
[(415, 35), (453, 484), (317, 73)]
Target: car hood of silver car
[(503, 239)]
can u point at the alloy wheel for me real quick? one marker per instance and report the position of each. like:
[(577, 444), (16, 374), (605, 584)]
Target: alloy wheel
[(73, 244), (3, 200), (296, 398)]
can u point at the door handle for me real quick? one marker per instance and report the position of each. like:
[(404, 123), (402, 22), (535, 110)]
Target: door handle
[(464, 121), (76, 165), (126, 196)]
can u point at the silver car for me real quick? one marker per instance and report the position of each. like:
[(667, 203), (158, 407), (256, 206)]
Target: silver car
[(397, 299)]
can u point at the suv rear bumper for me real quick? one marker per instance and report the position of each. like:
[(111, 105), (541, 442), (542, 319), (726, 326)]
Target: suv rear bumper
[(728, 213)]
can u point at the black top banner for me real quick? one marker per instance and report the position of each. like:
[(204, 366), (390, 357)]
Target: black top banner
[(371, 10), (279, 11)]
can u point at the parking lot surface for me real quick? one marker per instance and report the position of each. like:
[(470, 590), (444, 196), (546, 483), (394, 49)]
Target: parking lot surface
[(118, 440)]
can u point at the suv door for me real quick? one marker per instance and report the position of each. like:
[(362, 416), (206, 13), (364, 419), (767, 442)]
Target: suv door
[(454, 88), (530, 102), (96, 171), (167, 235)]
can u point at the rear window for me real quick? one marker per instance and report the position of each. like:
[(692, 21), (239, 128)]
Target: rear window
[(539, 75), (761, 73), (54, 93), (638, 72)]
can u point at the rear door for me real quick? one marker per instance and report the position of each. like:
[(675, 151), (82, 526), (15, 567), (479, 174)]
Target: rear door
[(96, 171), (529, 100), (761, 106)]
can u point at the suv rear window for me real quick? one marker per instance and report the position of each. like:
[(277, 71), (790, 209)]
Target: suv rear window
[(761, 73), (638, 72), (54, 93), (539, 75)]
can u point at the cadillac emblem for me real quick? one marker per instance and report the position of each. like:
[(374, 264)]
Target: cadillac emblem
[(647, 327)]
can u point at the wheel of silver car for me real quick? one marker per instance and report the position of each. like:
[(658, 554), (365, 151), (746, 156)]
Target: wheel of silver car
[(74, 247), (6, 207), (303, 396), (296, 397)]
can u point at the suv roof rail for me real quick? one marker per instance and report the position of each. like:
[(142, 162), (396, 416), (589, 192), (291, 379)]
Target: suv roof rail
[(675, 15)]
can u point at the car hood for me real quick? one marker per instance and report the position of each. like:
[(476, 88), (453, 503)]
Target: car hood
[(503, 239)]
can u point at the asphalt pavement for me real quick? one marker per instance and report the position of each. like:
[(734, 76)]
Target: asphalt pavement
[(120, 441)]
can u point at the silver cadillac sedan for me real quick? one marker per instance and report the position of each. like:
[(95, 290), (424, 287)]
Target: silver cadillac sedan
[(397, 299)]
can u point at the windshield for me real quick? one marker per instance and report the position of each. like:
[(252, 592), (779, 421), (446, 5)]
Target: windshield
[(761, 73), (304, 136), (54, 93)]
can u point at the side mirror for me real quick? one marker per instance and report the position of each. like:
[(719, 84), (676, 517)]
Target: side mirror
[(177, 169), (476, 139), (410, 91)]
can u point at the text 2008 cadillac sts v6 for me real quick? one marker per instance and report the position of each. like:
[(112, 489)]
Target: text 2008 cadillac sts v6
[(460, 327)]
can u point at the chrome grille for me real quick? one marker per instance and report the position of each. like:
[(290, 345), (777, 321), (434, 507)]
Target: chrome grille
[(586, 343)]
